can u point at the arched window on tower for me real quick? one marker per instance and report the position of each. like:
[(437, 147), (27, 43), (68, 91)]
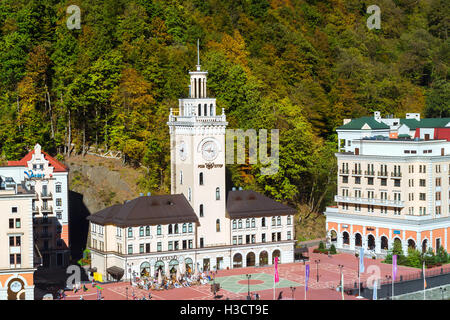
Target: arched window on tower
[(189, 194), (158, 230), (205, 109), (201, 210), (181, 176), (217, 193), (170, 229), (211, 113), (176, 228), (199, 109), (200, 178), (263, 222), (130, 232), (218, 225)]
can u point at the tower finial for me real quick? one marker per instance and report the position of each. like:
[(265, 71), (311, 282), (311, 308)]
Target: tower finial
[(198, 54)]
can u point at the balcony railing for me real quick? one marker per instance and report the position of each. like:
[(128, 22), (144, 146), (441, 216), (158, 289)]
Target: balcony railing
[(46, 195), (357, 172), (382, 174), (370, 201), (369, 172), (396, 174), (46, 209), (35, 210), (343, 171)]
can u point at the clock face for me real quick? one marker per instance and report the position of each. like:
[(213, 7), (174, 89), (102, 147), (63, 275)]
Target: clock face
[(182, 150), (209, 150), (16, 286)]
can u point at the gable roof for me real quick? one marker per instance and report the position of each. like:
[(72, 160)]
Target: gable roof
[(248, 203), (57, 166), (359, 123), (147, 210), (411, 123)]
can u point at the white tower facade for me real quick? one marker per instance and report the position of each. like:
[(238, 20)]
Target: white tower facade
[(197, 143)]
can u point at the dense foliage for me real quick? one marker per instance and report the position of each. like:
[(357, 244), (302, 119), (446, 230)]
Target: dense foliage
[(299, 66), (416, 258)]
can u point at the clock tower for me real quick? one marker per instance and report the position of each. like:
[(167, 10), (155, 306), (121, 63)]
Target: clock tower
[(197, 151)]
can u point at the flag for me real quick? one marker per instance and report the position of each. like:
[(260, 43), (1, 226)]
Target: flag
[(424, 280), (277, 278), (361, 260), (306, 277), (375, 289), (394, 267)]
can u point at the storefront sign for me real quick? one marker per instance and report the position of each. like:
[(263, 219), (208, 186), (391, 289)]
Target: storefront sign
[(345, 226), (397, 232), (30, 174), (210, 165), (370, 229)]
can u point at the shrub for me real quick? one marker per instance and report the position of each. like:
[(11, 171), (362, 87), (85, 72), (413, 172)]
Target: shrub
[(333, 249), (321, 245)]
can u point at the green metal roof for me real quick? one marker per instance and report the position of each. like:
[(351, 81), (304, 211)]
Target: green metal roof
[(433, 122), (357, 124), (411, 123)]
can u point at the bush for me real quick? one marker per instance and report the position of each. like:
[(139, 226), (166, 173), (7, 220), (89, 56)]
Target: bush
[(333, 249), (321, 245)]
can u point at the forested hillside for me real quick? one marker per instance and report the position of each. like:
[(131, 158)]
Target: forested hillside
[(299, 66)]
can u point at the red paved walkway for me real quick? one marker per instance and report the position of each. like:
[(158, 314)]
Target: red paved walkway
[(329, 278)]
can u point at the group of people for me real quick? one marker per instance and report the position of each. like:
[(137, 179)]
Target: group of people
[(171, 281)]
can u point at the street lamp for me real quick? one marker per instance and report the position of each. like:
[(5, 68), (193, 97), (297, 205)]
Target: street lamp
[(293, 290), (126, 289), (317, 264), (388, 279), (442, 292), (248, 281)]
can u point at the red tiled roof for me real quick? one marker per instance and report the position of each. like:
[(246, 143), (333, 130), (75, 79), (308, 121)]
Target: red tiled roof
[(58, 166)]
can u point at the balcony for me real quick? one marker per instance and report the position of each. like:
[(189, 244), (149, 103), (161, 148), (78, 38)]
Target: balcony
[(356, 172), (35, 210), (370, 201), (343, 171), (369, 173), (48, 209), (382, 174), (396, 174), (46, 195)]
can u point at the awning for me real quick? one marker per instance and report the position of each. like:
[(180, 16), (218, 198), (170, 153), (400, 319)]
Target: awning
[(116, 272)]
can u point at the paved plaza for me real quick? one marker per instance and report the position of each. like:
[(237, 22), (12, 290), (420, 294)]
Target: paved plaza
[(234, 283)]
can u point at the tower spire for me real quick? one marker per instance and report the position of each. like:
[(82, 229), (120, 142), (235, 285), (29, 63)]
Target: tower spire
[(198, 54)]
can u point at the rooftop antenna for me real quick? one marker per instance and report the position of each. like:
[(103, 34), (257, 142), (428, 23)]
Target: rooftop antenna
[(198, 54)]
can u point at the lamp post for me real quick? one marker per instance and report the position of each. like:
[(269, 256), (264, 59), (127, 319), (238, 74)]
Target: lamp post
[(126, 289), (388, 279), (442, 292), (248, 282), (317, 265), (292, 290)]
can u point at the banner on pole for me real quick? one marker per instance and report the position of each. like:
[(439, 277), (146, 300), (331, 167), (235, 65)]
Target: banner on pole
[(394, 266), (277, 278), (361, 260), (306, 277)]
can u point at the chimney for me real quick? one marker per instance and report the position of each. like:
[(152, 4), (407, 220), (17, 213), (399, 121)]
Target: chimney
[(377, 116)]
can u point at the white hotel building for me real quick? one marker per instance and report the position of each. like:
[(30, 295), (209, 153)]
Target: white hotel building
[(199, 224), (393, 184)]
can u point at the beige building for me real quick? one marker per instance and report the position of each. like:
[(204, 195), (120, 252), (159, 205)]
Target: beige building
[(17, 262), (200, 224), (391, 187)]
